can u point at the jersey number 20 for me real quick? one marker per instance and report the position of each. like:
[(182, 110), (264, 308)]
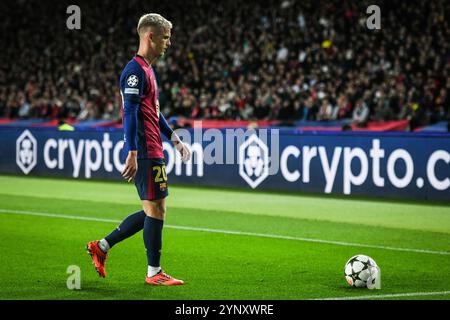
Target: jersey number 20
[(161, 175)]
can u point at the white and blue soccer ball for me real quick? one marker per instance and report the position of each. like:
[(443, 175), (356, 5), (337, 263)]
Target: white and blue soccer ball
[(361, 271)]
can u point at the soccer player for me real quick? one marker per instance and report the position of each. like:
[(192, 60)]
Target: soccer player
[(143, 124)]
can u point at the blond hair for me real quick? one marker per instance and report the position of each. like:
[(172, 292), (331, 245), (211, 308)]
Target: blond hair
[(153, 20)]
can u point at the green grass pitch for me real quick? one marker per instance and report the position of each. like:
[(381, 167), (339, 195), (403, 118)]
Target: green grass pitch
[(226, 244)]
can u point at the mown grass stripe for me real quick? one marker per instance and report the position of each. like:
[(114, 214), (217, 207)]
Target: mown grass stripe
[(240, 233)]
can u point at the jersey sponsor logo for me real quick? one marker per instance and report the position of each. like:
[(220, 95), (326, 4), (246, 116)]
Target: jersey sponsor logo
[(133, 81), (254, 161), (26, 152), (131, 91)]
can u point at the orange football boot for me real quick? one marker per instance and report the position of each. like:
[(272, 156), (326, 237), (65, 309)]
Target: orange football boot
[(163, 279), (98, 257)]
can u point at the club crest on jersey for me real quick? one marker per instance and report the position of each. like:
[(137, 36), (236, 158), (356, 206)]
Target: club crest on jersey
[(132, 81)]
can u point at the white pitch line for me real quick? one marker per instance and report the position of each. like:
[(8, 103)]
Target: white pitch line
[(240, 233), (398, 295), (54, 215)]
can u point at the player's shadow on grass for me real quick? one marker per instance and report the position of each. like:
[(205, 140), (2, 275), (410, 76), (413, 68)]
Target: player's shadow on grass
[(99, 290), (95, 290)]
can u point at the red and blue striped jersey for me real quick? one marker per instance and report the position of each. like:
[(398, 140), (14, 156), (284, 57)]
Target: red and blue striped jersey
[(139, 89)]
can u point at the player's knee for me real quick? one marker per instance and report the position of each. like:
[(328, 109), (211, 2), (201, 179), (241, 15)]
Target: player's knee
[(155, 210), (160, 212)]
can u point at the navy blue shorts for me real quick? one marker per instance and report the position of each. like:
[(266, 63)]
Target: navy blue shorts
[(151, 179)]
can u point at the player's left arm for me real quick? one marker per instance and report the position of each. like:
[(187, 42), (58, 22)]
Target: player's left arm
[(172, 135)]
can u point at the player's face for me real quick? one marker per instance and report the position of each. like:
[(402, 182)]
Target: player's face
[(162, 42)]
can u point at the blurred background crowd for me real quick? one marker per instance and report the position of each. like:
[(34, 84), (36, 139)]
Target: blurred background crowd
[(242, 60)]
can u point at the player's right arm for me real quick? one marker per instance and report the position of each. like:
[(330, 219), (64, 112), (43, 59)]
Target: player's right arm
[(172, 136), (130, 129), (132, 88)]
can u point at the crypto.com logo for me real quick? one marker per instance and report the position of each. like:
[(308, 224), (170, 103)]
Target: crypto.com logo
[(26, 152), (254, 161)]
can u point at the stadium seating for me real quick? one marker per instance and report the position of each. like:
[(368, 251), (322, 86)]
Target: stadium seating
[(281, 62)]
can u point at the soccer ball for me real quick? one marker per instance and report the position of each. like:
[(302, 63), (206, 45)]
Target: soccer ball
[(361, 271)]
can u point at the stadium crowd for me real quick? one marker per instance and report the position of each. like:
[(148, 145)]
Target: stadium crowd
[(276, 60)]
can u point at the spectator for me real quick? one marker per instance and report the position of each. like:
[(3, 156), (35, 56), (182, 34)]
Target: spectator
[(326, 111), (343, 108), (383, 111), (360, 114)]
